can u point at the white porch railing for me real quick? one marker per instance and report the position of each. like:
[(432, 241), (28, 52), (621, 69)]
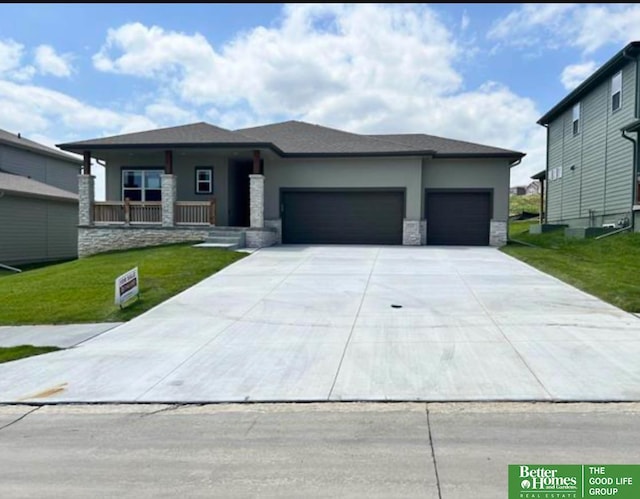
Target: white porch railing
[(150, 212), (195, 212)]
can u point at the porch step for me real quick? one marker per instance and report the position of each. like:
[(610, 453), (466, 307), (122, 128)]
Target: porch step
[(227, 246), (226, 236)]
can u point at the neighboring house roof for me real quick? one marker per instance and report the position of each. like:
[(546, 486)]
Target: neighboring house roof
[(14, 140), (448, 147), (17, 184), (609, 68), (296, 139), (540, 175)]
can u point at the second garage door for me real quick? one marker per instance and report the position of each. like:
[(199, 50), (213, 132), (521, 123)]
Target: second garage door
[(458, 217), (342, 217)]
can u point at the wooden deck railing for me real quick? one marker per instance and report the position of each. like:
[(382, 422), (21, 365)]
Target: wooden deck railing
[(195, 212), (150, 212)]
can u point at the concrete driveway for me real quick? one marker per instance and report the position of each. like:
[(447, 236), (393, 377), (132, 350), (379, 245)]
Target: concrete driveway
[(315, 323)]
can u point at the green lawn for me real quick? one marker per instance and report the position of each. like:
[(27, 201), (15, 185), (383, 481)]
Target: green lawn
[(83, 290), (529, 202), (14, 353), (607, 268)]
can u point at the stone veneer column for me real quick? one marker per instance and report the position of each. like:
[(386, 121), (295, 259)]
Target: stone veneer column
[(168, 199), (256, 200), (497, 233), (86, 198), (413, 232)]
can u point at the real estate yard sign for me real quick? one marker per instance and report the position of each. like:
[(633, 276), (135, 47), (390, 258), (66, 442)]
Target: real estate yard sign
[(127, 286), (574, 481)]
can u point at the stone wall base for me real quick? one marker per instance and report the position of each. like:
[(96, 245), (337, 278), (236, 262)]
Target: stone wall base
[(497, 233), (277, 225), (260, 238), (414, 232), (93, 240)]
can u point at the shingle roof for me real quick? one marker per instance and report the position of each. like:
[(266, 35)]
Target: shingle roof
[(300, 138), (296, 138), (18, 184), (185, 135), (447, 147), (23, 143)]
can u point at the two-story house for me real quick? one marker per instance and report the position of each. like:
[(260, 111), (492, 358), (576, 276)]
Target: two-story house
[(592, 148), (38, 202)]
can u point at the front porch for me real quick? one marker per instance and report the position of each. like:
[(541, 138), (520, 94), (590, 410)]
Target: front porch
[(157, 215)]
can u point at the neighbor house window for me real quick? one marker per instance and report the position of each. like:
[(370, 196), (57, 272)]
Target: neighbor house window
[(616, 91), (204, 180), (559, 172), (142, 185), (576, 119)]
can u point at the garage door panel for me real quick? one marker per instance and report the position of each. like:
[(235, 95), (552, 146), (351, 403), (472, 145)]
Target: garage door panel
[(342, 217), (458, 218)]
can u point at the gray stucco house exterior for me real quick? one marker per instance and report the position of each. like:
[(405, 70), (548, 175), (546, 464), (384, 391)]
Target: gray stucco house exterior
[(592, 148), (38, 202), (293, 182)]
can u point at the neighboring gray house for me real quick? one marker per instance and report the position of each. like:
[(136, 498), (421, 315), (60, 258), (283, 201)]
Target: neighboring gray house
[(38, 202), (592, 140), (293, 182)]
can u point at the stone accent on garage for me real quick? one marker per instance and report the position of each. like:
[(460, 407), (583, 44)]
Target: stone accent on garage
[(168, 199), (277, 225), (260, 238), (414, 232), (497, 233), (86, 187), (93, 240), (256, 200)]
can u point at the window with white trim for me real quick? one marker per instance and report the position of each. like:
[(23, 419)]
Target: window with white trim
[(616, 91), (559, 173), (142, 185), (576, 119), (204, 180)]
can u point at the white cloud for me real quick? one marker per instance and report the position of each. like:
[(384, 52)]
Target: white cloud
[(10, 55), (575, 74), (49, 62), (465, 21), (587, 27)]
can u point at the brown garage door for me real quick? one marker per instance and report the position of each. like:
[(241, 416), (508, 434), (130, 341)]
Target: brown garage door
[(342, 216), (458, 217)]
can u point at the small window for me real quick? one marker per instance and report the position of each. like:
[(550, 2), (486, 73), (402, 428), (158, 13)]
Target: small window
[(204, 180), (552, 174), (616, 91), (142, 185), (559, 173), (576, 119)]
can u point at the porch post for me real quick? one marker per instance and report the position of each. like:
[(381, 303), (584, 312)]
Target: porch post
[(86, 192), (256, 200), (168, 199), (168, 162)]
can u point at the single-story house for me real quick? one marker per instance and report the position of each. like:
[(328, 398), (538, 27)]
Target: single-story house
[(293, 182), (38, 202)]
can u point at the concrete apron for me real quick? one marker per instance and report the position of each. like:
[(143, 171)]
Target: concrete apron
[(353, 323)]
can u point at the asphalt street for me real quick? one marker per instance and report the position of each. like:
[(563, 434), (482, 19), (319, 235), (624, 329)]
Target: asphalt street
[(435, 450)]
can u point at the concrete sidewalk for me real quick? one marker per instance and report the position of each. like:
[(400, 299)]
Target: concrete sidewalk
[(63, 336), (448, 451)]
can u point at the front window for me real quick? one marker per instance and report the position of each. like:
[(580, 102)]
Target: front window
[(576, 119), (142, 185), (616, 91), (204, 180)]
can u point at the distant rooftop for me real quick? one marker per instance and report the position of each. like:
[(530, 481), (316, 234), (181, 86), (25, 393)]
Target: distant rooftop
[(16, 140), (17, 184)]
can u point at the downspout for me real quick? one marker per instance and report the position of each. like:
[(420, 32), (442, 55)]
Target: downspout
[(546, 178), (636, 168)]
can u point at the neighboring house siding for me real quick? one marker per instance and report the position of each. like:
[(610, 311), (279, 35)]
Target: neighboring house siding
[(48, 170), (471, 174), (599, 188), (344, 173), (33, 229), (184, 167)]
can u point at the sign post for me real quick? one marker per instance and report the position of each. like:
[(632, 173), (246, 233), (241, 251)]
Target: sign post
[(127, 286)]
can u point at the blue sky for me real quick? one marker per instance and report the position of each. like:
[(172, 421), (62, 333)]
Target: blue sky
[(477, 72)]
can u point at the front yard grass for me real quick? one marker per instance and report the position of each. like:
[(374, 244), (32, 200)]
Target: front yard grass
[(607, 268), (14, 353), (83, 290)]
